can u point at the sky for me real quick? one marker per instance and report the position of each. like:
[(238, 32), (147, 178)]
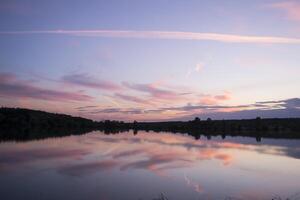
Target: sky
[(151, 60)]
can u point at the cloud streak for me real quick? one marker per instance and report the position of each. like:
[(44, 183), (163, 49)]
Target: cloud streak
[(154, 91), (133, 99), (89, 82), (11, 86), (207, 99), (18, 157), (88, 168), (266, 109), (291, 9), (176, 35)]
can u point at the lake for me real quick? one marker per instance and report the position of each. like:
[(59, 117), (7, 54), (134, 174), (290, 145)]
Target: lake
[(146, 165)]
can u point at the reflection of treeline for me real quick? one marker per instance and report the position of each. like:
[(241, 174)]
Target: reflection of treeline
[(17, 134), (276, 128), (25, 124)]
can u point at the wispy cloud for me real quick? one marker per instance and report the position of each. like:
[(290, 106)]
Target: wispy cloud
[(197, 68), (158, 162), (18, 157), (132, 99), (11, 86), (88, 168), (267, 109), (154, 91), (223, 96), (290, 8), (208, 99), (177, 35), (129, 153), (282, 108), (85, 107), (225, 158), (287, 103), (118, 111), (293, 103), (187, 108), (85, 80)]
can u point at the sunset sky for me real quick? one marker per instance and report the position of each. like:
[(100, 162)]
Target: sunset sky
[(151, 60)]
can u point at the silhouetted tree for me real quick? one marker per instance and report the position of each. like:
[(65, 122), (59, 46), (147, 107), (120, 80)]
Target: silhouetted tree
[(197, 119)]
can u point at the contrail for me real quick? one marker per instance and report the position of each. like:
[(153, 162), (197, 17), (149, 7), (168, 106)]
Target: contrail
[(227, 38)]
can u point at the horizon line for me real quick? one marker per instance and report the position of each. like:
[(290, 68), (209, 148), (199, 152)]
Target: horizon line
[(151, 121)]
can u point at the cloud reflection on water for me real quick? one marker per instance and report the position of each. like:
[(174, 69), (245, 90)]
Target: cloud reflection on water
[(16, 157), (174, 157), (88, 168), (155, 153)]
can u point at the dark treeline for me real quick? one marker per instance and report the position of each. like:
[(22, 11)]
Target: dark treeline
[(25, 124), (269, 128)]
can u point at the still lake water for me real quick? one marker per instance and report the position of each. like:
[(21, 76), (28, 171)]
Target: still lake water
[(127, 166)]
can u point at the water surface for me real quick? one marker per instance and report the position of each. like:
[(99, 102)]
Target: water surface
[(144, 165)]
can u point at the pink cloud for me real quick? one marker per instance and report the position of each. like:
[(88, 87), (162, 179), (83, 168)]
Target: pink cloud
[(291, 9), (223, 97), (17, 157), (225, 158), (133, 99), (208, 154), (125, 154), (6, 77), (11, 86), (158, 162), (154, 91), (88, 168), (208, 100), (213, 100), (87, 81)]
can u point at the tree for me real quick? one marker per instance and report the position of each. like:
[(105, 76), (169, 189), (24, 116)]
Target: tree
[(197, 119)]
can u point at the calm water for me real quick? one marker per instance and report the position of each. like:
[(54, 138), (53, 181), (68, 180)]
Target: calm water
[(127, 166)]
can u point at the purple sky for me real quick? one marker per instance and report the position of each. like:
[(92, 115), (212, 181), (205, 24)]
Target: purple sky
[(151, 60)]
